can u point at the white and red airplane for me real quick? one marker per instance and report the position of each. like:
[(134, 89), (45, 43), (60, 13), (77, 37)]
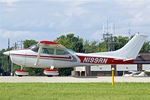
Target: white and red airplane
[(50, 55)]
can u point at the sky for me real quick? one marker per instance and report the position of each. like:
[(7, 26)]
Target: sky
[(49, 19)]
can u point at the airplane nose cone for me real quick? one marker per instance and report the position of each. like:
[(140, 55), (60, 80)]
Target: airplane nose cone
[(6, 53)]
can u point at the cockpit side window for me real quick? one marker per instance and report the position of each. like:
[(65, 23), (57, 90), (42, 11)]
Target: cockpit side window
[(48, 51)]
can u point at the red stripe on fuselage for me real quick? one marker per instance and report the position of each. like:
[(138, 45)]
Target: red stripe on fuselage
[(103, 60), (55, 57)]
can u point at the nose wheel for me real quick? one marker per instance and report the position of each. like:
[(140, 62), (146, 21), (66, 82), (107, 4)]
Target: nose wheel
[(51, 72), (21, 72)]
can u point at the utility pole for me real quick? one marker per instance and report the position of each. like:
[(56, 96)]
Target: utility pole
[(107, 36), (110, 44), (9, 65), (8, 44)]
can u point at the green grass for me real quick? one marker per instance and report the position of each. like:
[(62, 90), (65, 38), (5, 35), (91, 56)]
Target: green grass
[(74, 91)]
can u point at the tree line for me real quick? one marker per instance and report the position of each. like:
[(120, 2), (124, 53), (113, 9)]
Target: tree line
[(75, 43)]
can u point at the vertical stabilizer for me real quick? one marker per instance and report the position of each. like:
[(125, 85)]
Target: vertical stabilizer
[(133, 47), (130, 50)]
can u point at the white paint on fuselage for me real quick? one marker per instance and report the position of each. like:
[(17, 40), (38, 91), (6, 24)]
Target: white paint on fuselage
[(19, 60), (27, 58)]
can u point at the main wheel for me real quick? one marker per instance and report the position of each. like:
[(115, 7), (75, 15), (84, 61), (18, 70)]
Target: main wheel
[(21, 73), (51, 72)]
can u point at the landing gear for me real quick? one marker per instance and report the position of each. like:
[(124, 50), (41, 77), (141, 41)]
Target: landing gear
[(51, 72), (21, 72)]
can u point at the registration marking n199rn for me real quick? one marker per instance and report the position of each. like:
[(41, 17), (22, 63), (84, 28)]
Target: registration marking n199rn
[(95, 60)]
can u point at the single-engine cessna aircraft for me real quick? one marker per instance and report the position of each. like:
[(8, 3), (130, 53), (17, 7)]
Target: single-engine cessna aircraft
[(50, 55)]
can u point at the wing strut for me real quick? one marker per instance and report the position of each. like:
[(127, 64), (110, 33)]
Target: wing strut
[(38, 56)]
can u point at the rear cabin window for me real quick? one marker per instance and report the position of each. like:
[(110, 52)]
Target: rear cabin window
[(61, 52), (48, 51)]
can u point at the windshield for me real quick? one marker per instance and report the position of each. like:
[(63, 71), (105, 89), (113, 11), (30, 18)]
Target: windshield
[(34, 48)]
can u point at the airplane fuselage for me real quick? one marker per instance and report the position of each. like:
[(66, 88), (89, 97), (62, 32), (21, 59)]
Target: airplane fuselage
[(50, 55), (27, 58)]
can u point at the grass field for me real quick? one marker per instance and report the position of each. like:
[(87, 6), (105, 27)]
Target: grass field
[(74, 91)]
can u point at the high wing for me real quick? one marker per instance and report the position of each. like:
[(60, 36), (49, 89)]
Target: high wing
[(47, 43)]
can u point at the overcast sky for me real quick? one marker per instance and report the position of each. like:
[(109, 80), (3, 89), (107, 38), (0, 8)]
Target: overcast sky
[(48, 19)]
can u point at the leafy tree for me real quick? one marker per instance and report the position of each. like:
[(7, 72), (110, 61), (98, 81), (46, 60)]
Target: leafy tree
[(146, 47), (28, 43), (71, 42), (1, 62), (4, 65), (86, 46), (122, 41), (90, 47), (102, 47), (119, 42)]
